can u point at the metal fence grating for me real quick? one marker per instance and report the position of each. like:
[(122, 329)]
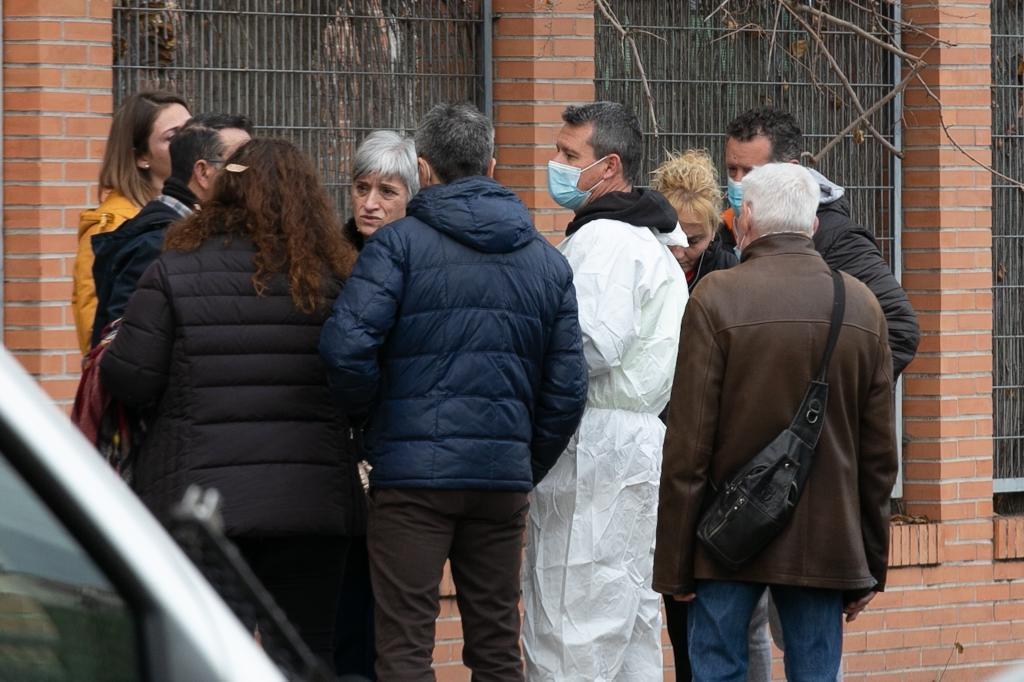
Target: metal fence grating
[(1008, 247), (322, 73), (704, 73)]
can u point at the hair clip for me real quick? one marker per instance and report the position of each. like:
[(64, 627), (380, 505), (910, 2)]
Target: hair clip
[(235, 168)]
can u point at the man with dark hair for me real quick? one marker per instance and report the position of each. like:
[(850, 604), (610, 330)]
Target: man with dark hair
[(197, 152), (457, 332), (590, 611), (759, 136)]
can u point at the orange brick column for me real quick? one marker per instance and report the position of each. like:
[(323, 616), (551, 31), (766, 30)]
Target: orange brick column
[(946, 602), (56, 112), (947, 264), (543, 61)]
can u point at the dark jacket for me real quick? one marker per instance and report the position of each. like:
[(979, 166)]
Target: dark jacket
[(124, 254), (754, 337), (240, 395), (851, 248), (715, 257), (458, 332)]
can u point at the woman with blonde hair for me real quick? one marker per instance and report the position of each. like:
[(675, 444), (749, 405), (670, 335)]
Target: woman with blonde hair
[(135, 164), (690, 183)]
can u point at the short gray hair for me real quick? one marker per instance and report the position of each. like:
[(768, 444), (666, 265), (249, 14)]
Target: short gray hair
[(388, 154), (783, 197), (616, 131), (456, 140)]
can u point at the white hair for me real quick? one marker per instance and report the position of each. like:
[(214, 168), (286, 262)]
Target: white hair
[(783, 197)]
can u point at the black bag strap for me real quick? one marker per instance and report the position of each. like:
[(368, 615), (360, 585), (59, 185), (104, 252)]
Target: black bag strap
[(810, 416), (838, 311)]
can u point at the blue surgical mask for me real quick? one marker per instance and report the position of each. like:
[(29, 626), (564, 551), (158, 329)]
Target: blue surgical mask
[(562, 180), (735, 196)]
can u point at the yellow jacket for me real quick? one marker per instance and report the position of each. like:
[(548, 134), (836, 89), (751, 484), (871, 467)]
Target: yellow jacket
[(114, 210)]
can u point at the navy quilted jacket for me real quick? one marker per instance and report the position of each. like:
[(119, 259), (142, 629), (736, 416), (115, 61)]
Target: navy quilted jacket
[(458, 332)]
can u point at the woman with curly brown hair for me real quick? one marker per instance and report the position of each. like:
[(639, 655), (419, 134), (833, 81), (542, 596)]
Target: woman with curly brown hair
[(219, 342)]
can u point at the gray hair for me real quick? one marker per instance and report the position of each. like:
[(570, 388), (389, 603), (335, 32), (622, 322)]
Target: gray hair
[(388, 154), (616, 131), (456, 140), (783, 197)]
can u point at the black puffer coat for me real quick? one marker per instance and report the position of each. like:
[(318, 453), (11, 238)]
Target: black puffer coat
[(851, 248), (240, 395)]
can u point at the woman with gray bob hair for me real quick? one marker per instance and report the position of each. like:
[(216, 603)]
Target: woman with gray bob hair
[(384, 179)]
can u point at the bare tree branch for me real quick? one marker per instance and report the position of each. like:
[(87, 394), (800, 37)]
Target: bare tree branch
[(838, 70), (945, 129), (627, 37)]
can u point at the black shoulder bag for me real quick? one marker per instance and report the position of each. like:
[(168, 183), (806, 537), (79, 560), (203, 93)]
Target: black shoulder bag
[(757, 502)]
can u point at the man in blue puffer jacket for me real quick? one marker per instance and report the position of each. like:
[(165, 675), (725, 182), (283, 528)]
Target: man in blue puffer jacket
[(458, 333)]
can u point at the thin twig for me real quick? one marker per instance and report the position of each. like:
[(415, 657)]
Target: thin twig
[(775, 30), (846, 83), (825, 16), (717, 10), (872, 110), (957, 145), (627, 37), (747, 27)]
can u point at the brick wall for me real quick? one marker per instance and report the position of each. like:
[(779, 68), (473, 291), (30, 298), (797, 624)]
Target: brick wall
[(543, 61), (958, 578), (56, 111), (965, 595)]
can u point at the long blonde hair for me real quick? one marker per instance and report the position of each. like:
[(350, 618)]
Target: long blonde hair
[(690, 181), (129, 136)]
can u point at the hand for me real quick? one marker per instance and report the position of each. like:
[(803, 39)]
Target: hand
[(689, 596), (853, 609)]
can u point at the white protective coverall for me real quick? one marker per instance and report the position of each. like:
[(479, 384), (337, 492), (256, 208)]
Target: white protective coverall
[(590, 611)]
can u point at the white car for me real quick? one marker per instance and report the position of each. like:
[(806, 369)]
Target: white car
[(91, 585)]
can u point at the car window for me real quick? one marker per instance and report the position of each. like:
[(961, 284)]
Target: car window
[(60, 617)]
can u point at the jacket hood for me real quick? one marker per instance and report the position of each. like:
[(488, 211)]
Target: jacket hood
[(830, 191), (477, 212), (641, 208), (114, 205)]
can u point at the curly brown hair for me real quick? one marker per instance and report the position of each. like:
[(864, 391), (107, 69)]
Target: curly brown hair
[(269, 191)]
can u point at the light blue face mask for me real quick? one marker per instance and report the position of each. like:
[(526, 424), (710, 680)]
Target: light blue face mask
[(735, 196), (562, 180)]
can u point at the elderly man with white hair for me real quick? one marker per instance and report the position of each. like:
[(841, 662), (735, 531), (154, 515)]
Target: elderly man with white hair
[(753, 338)]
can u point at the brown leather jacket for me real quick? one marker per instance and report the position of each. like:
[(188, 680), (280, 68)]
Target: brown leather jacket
[(752, 338)]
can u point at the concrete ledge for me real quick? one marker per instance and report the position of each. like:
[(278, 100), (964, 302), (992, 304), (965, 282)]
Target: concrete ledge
[(914, 544), (1008, 537)]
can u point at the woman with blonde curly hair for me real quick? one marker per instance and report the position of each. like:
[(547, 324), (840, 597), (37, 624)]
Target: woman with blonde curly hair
[(690, 183), (219, 343)]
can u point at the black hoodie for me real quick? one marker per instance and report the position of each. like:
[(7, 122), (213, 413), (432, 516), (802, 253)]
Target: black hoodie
[(641, 207)]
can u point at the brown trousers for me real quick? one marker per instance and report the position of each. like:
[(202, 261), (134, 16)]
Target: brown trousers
[(411, 534)]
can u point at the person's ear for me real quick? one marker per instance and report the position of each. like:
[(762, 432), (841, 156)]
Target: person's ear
[(490, 167), (425, 172), (814, 227), (796, 161), (614, 167), (142, 162), (203, 174)]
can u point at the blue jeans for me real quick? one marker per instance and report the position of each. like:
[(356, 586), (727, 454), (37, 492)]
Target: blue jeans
[(718, 620)]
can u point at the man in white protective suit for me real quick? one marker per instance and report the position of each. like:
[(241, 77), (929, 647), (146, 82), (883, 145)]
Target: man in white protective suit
[(590, 612)]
